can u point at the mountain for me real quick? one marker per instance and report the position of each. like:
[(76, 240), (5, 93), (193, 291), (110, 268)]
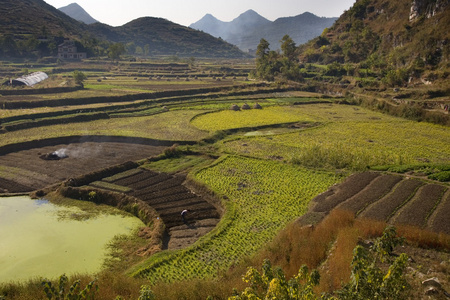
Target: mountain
[(247, 30), (166, 38), (380, 34), (35, 17), (34, 28), (78, 13)]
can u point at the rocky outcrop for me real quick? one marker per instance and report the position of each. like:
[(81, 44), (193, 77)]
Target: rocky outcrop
[(427, 8)]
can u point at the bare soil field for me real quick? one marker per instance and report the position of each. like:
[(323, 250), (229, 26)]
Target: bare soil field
[(169, 197), (29, 169), (392, 198)]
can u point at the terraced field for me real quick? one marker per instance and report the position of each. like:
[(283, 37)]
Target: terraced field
[(395, 199), (23, 170), (166, 194)]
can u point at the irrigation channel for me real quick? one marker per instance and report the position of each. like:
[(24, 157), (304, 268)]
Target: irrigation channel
[(40, 239)]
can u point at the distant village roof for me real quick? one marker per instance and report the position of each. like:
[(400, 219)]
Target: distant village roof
[(28, 80)]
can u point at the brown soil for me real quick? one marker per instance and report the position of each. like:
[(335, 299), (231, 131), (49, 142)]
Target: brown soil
[(417, 210), (166, 194), (440, 220), (380, 196), (24, 171), (382, 210), (377, 188), (339, 193)]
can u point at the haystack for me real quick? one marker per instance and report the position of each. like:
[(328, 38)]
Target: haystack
[(246, 106), (235, 107), (257, 106)]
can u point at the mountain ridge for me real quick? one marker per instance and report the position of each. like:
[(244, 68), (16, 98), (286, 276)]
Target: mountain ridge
[(33, 28), (248, 28)]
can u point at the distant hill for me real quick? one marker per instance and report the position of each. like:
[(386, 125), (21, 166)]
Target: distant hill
[(35, 17), (165, 37), (383, 33), (34, 28), (247, 30), (78, 13)]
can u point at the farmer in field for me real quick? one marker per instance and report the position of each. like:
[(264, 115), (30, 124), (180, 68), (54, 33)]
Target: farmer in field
[(183, 215)]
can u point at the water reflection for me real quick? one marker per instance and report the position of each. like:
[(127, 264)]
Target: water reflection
[(35, 242)]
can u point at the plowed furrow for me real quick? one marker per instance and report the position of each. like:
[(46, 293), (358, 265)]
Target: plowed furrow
[(379, 187), (421, 206), (350, 187), (383, 209)]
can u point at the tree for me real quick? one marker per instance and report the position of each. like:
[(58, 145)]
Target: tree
[(79, 77), (288, 48), (267, 64), (116, 50)]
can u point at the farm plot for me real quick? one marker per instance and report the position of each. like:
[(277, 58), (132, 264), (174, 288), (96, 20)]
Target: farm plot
[(171, 125), (440, 220), (25, 170), (384, 208), (350, 137), (417, 211), (377, 188), (390, 198), (263, 196), (230, 119), (166, 194)]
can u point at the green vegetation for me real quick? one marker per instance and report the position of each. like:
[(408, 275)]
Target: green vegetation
[(173, 165), (269, 63), (79, 77), (229, 119), (259, 207), (368, 280), (350, 138), (317, 125)]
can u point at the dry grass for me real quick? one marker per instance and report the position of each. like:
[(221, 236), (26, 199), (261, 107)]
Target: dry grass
[(328, 246)]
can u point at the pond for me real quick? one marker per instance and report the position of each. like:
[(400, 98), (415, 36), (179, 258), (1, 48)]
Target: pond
[(40, 239)]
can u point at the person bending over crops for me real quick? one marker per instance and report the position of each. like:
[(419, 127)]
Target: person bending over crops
[(183, 215)]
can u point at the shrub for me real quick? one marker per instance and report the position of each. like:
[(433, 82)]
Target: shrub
[(441, 176)]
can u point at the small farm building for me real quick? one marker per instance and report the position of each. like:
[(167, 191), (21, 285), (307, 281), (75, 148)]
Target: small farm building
[(68, 50), (28, 80)]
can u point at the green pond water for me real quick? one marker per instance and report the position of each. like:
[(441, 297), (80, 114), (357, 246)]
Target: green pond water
[(39, 239)]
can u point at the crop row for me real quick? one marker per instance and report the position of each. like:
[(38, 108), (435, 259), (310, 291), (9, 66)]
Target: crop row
[(337, 194), (384, 208), (350, 138), (419, 208), (122, 175), (378, 188), (264, 197), (390, 198), (164, 192)]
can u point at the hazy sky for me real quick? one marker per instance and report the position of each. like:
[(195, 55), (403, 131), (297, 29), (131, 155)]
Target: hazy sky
[(186, 12)]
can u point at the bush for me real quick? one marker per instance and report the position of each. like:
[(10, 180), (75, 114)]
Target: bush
[(367, 281), (441, 176)]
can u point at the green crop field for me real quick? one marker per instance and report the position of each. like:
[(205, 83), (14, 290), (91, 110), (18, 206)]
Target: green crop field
[(263, 196), (350, 137), (229, 119)]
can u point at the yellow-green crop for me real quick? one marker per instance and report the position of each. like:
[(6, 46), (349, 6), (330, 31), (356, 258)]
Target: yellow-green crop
[(229, 119), (263, 197)]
